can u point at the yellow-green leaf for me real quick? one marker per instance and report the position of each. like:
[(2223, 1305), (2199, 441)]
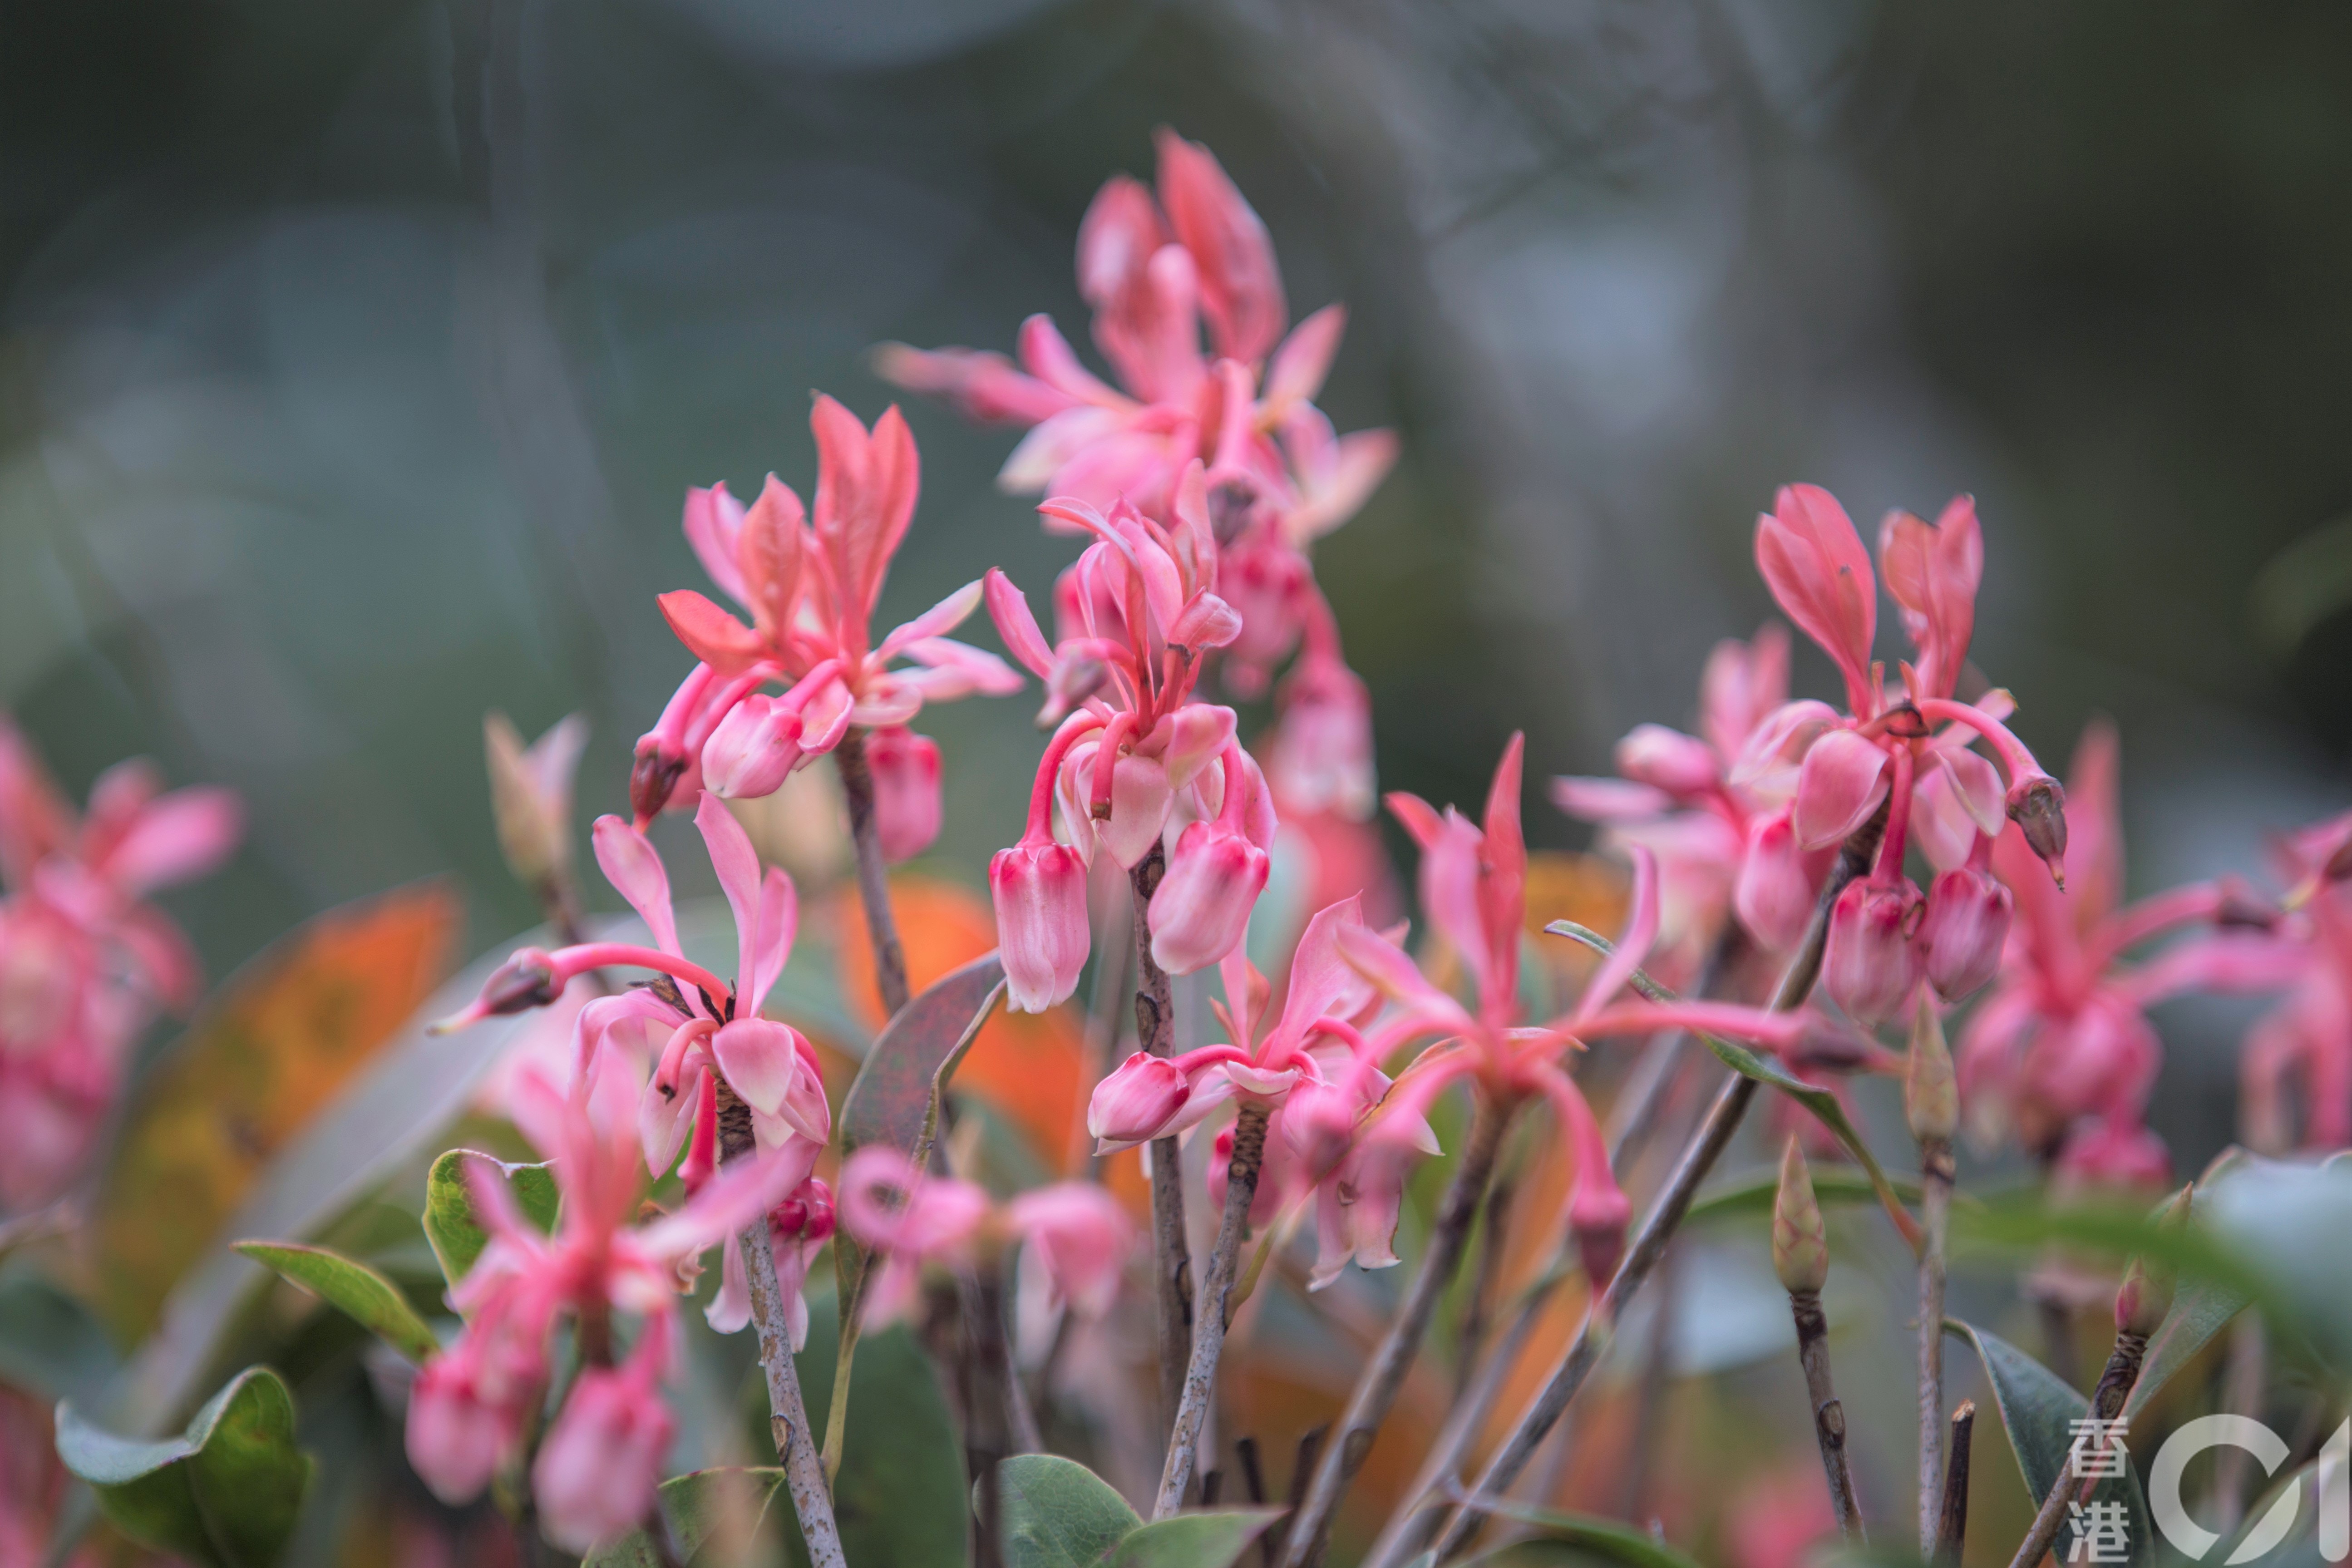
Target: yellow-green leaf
[(374, 1302)]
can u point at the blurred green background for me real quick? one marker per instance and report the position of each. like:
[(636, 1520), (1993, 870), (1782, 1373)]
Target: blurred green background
[(354, 360)]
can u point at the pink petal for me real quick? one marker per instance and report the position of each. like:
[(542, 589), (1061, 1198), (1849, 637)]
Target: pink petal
[(942, 617), (1843, 781), (738, 865), (1609, 800), (1305, 358), (711, 633), (636, 873), (1050, 359), (1241, 287), (713, 524), (980, 385), (1009, 608), (1814, 563), (184, 834), (761, 1059)]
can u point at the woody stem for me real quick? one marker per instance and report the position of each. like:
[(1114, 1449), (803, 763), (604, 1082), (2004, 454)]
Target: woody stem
[(873, 876), (788, 1421), (1952, 1522), (1829, 1415), (1936, 1174), (1171, 1252), (1383, 1374), (1699, 1158), (1209, 1317), (2106, 1403)]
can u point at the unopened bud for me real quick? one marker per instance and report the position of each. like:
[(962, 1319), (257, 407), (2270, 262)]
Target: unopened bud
[(1800, 1244), (1138, 1099), (653, 777), (1931, 1095), (530, 796), (2038, 805), (2145, 1295), (2242, 908), (1967, 926)]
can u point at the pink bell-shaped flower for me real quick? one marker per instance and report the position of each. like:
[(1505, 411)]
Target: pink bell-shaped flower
[(596, 1472), (455, 1439), (1203, 905), (1874, 965), (1775, 891), (1964, 930), (1136, 1100), (1078, 1233), (1040, 893), (906, 768), (753, 749)]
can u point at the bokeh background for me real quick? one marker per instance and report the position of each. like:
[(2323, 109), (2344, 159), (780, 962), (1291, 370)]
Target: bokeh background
[(354, 359)]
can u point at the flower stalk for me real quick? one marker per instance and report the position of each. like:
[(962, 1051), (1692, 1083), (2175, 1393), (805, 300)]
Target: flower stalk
[(788, 1421), (1383, 1374), (1209, 1319), (873, 872), (1172, 1250), (1801, 1257), (1931, 1104)]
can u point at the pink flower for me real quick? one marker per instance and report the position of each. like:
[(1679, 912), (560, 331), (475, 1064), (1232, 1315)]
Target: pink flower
[(602, 1460), (1277, 476), (1078, 1241), (811, 583), (2060, 1049), (1140, 1097), (1473, 888), (475, 1398), (1202, 908), (85, 962), (1964, 931), (1873, 965), (906, 790), (914, 1220)]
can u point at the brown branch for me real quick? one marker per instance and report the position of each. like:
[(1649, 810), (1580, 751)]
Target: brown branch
[(1828, 1414), (2106, 1403), (1384, 1375), (873, 875), (1171, 1249), (1209, 1319), (1952, 1522)]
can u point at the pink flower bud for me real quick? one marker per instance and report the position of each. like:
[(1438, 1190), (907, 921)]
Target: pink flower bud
[(1873, 965), (1203, 905), (1081, 1238), (2038, 805), (596, 1471), (1040, 892), (753, 749), (1966, 924), (1597, 1217), (1140, 1097), (1774, 895), (1319, 1120), (906, 768), (1682, 766), (455, 1439)]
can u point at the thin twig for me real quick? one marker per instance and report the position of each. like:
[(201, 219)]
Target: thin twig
[(1952, 1518), (1384, 1375), (1936, 1172), (873, 874), (2106, 1403), (1828, 1414), (1210, 1318), (788, 1421), (1477, 1312), (1706, 1145), (1171, 1249)]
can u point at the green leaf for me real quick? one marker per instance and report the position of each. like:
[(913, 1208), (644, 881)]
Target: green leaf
[(1204, 1538), (892, 1093), (450, 1225), (1593, 1537), (901, 1495), (1750, 1195), (223, 1494), (2037, 1410), (50, 1344), (2017, 1221), (1053, 1512), (696, 1505), (366, 1296), (1768, 1071)]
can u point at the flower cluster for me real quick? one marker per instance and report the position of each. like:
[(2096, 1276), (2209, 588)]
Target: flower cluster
[(1157, 272), (810, 578), (85, 961)]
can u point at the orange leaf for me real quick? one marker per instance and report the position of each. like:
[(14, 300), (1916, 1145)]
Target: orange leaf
[(270, 1048)]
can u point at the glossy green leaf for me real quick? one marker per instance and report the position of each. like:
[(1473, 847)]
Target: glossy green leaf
[(223, 1494), (1750, 1195), (1203, 1537), (450, 1224), (366, 1296), (1768, 1071), (1600, 1538), (2037, 1410), (901, 1495), (696, 1505), (1053, 1512)]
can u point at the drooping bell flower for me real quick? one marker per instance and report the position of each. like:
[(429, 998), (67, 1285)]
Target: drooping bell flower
[(1136, 1100), (1874, 965), (601, 1461), (906, 768), (1964, 931), (1078, 1240), (1039, 890), (811, 581), (1202, 907)]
